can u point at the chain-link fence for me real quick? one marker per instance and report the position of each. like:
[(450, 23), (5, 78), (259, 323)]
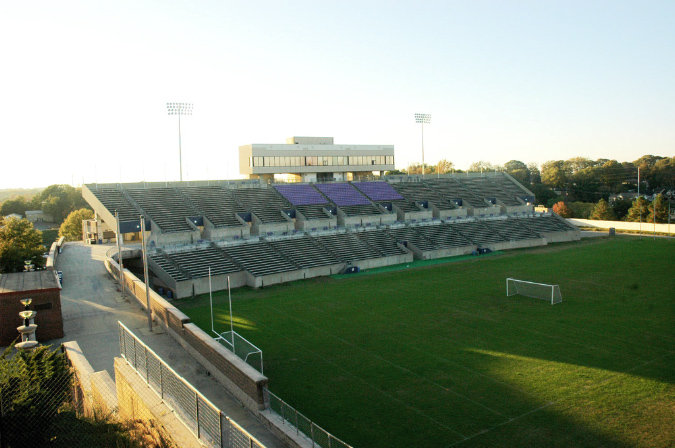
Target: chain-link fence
[(35, 391), (205, 421), (303, 426)]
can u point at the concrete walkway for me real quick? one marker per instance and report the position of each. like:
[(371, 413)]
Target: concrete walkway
[(91, 306)]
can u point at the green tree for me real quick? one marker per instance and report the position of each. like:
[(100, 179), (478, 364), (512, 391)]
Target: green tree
[(72, 225), (638, 211), (562, 209), (535, 173), (34, 386), (664, 173), (576, 164), (518, 170), (602, 211), (620, 208), (581, 210), (19, 242), (483, 166), (58, 201), (444, 166), (659, 206), (18, 206), (553, 174)]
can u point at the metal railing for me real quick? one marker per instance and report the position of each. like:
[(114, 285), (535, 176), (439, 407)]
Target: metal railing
[(210, 425), (303, 426)]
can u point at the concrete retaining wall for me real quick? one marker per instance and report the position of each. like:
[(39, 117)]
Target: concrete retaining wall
[(242, 380), (634, 226), (441, 253), (518, 244), (372, 263), (138, 401)]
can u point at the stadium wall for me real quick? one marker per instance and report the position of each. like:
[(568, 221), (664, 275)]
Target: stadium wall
[(214, 233), (240, 379), (646, 227), (448, 214), (420, 254), (409, 216), (302, 223)]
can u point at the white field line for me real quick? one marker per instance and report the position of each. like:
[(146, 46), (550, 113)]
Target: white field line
[(613, 377), (399, 367), (372, 386)]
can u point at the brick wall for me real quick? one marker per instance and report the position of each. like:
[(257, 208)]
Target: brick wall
[(47, 302)]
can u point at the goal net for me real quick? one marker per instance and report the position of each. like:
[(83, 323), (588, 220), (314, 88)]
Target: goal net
[(532, 289), (241, 347)]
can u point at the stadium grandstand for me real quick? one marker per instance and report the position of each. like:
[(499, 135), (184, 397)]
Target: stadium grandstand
[(259, 233)]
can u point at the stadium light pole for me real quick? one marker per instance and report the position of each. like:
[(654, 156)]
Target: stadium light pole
[(145, 273), (423, 118), (179, 109)]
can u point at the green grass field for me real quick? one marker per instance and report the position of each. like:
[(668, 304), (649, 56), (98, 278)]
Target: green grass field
[(438, 356)]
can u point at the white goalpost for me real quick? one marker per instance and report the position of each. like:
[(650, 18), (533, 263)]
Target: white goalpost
[(232, 340), (532, 289)]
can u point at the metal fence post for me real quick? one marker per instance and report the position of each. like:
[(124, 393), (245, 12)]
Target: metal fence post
[(297, 429), (283, 417), (147, 370), (197, 416), (311, 429), (135, 363), (161, 381)]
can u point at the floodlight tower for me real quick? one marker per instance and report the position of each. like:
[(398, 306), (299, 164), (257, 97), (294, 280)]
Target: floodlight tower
[(423, 118), (179, 109)]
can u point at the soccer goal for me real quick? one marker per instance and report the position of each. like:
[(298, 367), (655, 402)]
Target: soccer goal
[(532, 289), (232, 340)]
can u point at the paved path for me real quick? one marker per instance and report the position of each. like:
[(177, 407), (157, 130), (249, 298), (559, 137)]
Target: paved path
[(91, 306)]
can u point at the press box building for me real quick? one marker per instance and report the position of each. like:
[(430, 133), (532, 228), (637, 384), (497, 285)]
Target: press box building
[(314, 159)]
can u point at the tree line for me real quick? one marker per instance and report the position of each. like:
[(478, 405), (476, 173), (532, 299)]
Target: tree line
[(21, 242), (581, 184)]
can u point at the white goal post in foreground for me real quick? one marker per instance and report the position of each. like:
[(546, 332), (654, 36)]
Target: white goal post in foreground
[(532, 289)]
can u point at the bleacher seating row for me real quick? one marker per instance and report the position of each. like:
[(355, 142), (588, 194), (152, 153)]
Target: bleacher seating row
[(281, 255), (170, 208)]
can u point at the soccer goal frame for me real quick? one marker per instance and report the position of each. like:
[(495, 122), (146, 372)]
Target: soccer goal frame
[(232, 340), (532, 289)]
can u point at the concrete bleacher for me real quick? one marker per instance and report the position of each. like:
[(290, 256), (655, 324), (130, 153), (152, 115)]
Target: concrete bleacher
[(443, 236), (267, 210), (215, 203), (298, 226), (512, 229), (420, 193), (350, 249), (304, 252), (485, 188), (113, 200), (262, 264), (220, 211), (551, 227), (452, 190), (479, 234), (381, 241), (166, 208)]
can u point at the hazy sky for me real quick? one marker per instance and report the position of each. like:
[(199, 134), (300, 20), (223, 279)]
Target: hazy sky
[(85, 84)]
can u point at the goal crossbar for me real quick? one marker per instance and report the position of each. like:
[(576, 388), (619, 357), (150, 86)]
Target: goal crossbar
[(533, 289)]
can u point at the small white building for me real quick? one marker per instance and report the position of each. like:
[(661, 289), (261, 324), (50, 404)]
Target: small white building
[(38, 216), (314, 159)]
